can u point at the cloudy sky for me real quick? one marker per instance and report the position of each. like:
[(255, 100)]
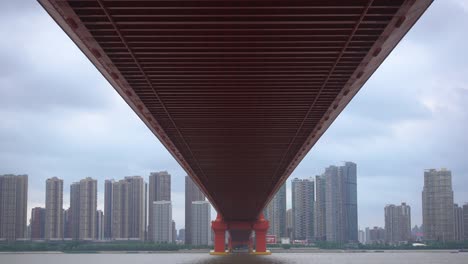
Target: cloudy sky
[(59, 116)]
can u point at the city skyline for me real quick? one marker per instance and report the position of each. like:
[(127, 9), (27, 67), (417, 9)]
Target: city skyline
[(443, 219), (181, 222)]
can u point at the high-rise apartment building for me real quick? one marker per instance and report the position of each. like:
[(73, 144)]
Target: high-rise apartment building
[(349, 174), (160, 186), (275, 213), (13, 206), (376, 235), (341, 203), (54, 207), (334, 211), (303, 200), (181, 235), (437, 205), (465, 221), (320, 205), (397, 223), (146, 212), (162, 222), (108, 209), (174, 231), (367, 231), (87, 213), (159, 190), (119, 210), (74, 211), (458, 231), (67, 229), (128, 208), (362, 237), (200, 227), (289, 223), (37, 223), (192, 193), (99, 225)]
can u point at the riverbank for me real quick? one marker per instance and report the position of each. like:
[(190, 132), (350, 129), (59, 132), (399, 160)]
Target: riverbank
[(273, 250), (134, 247), (317, 250)]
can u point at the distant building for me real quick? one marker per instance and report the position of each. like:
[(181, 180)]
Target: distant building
[(376, 235), (362, 237), (303, 199), (37, 223), (397, 223), (437, 205), (74, 211), (349, 174), (159, 190), (162, 222), (128, 208), (367, 231), (334, 205), (87, 213), (54, 207), (174, 232), (275, 213), (289, 223), (181, 236), (67, 229), (341, 203), (458, 223), (465, 221), (99, 225), (320, 205), (200, 227), (108, 208), (28, 231), (13, 206), (145, 213), (416, 233), (192, 193)]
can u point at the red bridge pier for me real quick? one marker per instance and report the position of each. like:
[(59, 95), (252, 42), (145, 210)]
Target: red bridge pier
[(219, 228), (260, 227)]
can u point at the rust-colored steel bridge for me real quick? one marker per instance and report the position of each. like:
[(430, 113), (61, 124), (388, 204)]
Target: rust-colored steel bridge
[(237, 90)]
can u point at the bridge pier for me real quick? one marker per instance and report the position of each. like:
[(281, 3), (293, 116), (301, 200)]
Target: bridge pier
[(244, 229), (261, 227), (219, 228)]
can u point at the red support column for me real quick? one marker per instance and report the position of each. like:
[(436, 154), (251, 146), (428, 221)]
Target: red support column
[(261, 227), (219, 228)]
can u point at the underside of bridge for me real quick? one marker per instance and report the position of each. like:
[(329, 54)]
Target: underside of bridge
[(237, 90)]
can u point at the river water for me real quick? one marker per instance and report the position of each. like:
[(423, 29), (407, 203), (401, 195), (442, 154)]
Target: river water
[(276, 258)]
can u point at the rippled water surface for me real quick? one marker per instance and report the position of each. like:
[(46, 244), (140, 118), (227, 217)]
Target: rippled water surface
[(276, 258)]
